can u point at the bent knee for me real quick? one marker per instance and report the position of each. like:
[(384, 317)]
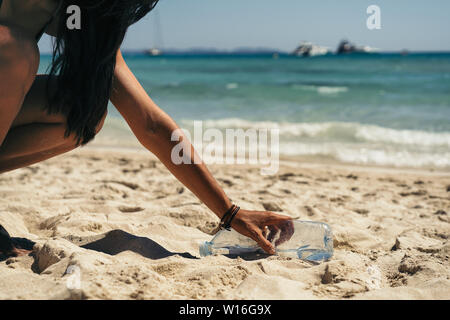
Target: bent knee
[(62, 119), (96, 130), (19, 54)]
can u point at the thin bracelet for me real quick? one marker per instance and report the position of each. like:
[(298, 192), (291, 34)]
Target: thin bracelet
[(224, 217), (228, 224), (229, 211)]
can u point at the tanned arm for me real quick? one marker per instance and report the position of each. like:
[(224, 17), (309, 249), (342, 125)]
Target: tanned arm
[(154, 128)]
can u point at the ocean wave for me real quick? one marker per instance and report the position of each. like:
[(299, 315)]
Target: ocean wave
[(368, 156), (343, 142), (338, 131), (232, 86), (323, 90)]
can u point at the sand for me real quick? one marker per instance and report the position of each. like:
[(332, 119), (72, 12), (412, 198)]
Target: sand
[(112, 224)]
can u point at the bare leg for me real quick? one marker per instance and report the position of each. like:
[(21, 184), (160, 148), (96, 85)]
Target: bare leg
[(33, 137), (36, 136), (14, 154), (19, 61), (27, 133), (33, 143)]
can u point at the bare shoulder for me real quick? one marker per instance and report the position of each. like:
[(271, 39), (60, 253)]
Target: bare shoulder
[(17, 40), (18, 51)]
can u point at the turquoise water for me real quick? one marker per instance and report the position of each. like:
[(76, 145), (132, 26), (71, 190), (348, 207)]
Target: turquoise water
[(383, 109)]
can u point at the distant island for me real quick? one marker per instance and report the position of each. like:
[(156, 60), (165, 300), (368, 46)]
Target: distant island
[(305, 49), (214, 51), (254, 52)]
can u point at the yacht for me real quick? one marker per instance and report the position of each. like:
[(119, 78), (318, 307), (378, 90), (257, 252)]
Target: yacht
[(308, 49), (154, 52), (157, 38), (346, 47)]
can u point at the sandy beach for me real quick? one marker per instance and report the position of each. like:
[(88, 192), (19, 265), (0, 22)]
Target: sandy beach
[(111, 224)]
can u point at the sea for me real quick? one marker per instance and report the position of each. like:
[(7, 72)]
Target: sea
[(379, 109)]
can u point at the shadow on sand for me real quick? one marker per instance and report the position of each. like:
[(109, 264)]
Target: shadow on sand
[(117, 241), (249, 256)]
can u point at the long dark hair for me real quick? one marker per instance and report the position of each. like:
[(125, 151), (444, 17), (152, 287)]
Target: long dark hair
[(84, 60)]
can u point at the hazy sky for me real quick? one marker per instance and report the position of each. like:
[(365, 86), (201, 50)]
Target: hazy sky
[(282, 24)]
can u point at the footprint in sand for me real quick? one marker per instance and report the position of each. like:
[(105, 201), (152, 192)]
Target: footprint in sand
[(272, 206), (363, 212), (370, 194), (123, 161), (286, 176), (309, 211), (227, 182), (409, 265), (414, 193), (130, 185), (131, 170), (340, 199), (180, 190), (130, 209)]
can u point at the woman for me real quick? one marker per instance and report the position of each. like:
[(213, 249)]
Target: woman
[(42, 116)]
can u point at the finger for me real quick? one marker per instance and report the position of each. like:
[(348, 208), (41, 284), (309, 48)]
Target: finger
[(273, 218), (281, 223), (264, 243), (282, 232)]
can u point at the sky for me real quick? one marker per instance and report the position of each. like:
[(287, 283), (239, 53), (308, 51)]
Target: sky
[(416, 25)]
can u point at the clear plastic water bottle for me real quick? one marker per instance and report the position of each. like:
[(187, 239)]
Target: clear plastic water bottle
[(307, 240)]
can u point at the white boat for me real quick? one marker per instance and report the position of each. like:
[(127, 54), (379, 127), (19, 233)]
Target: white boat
[(308, 49), (157, 38), (154, 52), (346, 47)]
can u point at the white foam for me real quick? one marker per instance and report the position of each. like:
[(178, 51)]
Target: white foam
[(232, 86), (323, 90), (345, 142), (339, 131), (352, 154)]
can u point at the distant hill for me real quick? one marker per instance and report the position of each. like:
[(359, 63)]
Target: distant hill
[(214, 51)]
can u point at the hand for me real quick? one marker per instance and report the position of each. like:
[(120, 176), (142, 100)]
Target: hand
[(263, 226)]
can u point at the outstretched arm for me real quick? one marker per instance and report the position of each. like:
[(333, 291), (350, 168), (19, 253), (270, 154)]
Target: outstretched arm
[(154, 128)]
